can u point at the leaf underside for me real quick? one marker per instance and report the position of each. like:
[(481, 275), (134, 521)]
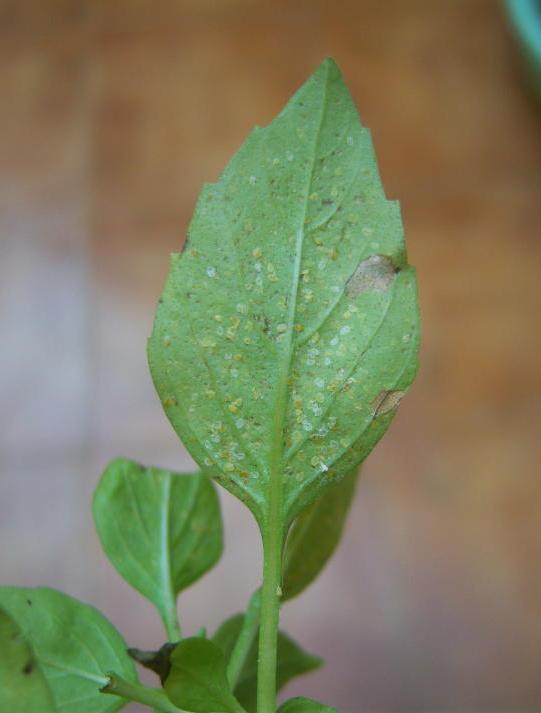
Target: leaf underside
[(23, 687), (160, 530), (74, 645), (288, 328)]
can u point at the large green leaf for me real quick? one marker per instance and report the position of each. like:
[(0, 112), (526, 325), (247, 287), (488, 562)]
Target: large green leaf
[(160, 530), (197, 681), (315, 535), (292, 660), (287, 331), (305, 705), (74, 645), (23, 687)]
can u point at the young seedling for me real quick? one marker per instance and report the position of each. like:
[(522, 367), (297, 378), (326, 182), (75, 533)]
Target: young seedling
[(286, 335)]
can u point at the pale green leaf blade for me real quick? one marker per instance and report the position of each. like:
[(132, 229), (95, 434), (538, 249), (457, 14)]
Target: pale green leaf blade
[(74, 645), (160, 530), (305, 705), (198, 680), (288, 328), (23, 687), (227, 633), (292, 660), (314, 536)]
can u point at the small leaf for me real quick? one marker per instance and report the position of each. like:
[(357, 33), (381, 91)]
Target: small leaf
[(23, 687), (292, 660), (315, 535), (288, 328), (160, 530), (74, 645), (305, 705), (198, 680)]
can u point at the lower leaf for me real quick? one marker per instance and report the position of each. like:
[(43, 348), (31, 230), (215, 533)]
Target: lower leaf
[(23, 686), (198, 681), (305, 705), (73, 644)]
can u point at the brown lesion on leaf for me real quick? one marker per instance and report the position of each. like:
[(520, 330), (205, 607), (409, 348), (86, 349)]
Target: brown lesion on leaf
[(28, 668), (386, 401), (374, 274)]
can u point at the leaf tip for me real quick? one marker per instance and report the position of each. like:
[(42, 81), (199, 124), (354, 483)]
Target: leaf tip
[(329, 64), (328, 70)]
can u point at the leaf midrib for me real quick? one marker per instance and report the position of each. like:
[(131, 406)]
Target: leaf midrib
[(280, 411)]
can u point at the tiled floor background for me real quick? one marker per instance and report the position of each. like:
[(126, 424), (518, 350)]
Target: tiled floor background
[(112, 115)]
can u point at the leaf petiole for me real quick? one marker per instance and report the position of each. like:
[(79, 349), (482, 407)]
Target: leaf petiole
[(153, 697), (271, 592)]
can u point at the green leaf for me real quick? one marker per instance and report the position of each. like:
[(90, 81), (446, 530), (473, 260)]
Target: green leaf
[(292, 660), (198, 680), (161, 531), (74, 645), (315, 535), (23, 687), (287, 331), (305, 705)]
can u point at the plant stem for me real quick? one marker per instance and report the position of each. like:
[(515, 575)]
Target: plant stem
[(152, 697), (245, 639), (273, 539), (171, 624)]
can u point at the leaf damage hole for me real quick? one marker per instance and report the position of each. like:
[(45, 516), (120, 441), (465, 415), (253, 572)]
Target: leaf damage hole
[(374, 274), (386, 401)]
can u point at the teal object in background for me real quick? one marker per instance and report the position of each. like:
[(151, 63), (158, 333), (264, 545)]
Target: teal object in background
[(524, 16)]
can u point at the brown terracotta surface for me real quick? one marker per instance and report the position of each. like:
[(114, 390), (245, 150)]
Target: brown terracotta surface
[(113, 114)]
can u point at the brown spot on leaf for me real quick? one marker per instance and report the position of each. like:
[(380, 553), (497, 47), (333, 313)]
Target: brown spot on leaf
[(374, 274), (386, 401), (29, 667)]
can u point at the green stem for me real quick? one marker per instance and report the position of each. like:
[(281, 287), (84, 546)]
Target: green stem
[(273, 525), (171, 624), (152, 697), (273, 539), (244, 640)]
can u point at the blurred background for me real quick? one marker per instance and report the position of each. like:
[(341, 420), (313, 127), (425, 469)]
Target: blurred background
[(113, 114)]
